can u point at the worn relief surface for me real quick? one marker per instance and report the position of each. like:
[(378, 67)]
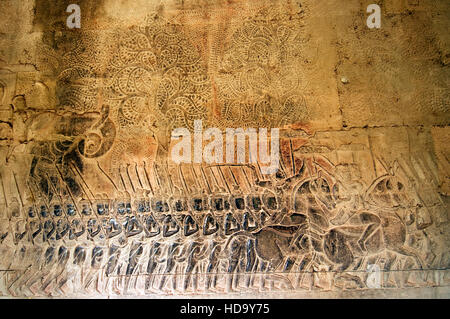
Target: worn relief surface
[(91, 203)]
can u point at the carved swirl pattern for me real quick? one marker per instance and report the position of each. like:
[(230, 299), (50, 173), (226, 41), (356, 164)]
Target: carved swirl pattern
[(156, 78), (260, 76)]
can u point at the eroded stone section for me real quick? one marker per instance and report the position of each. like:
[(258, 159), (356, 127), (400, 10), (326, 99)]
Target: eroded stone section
[(91, 205)]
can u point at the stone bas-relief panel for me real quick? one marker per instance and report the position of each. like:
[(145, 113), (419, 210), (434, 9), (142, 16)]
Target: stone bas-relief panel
[(92, 205), (315, 225)]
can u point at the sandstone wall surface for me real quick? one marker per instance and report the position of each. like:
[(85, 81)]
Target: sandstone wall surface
[(92, 206)]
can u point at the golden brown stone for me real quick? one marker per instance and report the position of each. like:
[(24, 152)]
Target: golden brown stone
[(91, 203)]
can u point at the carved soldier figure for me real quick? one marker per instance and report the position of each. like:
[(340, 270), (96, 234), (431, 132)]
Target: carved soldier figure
[(196, 251), (134, 265), (175, 252), (154, 260), (216, 241)]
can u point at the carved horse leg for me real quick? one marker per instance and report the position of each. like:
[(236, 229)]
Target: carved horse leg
[(407, 251)]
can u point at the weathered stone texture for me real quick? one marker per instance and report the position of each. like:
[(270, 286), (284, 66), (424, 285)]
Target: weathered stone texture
[(91, 205)]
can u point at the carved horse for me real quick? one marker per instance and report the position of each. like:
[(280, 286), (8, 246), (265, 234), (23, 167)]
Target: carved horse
[(356, 234)]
